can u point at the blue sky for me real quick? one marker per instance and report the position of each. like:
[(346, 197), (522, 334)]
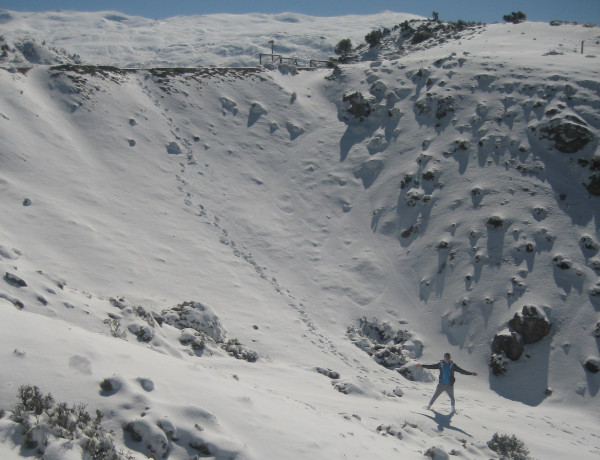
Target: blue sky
[(582, 11)]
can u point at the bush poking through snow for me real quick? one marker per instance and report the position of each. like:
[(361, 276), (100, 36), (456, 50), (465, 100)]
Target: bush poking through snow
[(114, 326), (111, 385), (343, 47), (152, 436), (389, 347), (46, 423), (499, 363), (239, 351), (14, 280), (436, 452), (328, 373), (390, 430), (509, 447), (32, 400), (195, 315), (515, 17), (592, 364), (374, 37), (495, 222)]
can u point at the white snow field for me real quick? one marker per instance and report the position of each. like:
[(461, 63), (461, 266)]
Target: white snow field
[(240, 262)]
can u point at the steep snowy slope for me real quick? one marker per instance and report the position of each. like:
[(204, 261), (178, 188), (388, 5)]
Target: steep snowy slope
[(315, 225)]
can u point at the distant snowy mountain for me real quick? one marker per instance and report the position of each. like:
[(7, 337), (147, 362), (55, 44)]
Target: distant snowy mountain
[(250, 262), (111, 38)]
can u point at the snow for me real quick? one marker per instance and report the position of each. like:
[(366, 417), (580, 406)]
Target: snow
[(112, 38), (158, 224)]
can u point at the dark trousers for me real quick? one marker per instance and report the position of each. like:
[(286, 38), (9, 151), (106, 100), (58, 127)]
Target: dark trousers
[(441, 388)]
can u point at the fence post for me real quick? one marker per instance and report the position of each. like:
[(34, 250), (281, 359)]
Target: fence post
[(581, 46)]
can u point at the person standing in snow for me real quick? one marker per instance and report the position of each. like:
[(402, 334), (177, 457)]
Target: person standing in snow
[(446, 381)]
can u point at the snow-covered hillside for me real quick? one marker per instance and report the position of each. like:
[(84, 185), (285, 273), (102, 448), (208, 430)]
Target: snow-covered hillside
[(250, 262), (112, 38)]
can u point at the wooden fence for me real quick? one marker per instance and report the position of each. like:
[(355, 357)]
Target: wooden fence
[(312, 63)]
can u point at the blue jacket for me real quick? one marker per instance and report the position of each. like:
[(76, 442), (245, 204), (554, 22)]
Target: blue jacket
[(453, 368)]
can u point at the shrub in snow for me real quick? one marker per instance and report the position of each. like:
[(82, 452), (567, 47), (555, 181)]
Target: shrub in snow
[(593, 186), (436, 453), (288, 69), (144, 315), (120, 303), (328, 373), (592, 364), (499, 363), (239, 351), (595, 265), (413, 197), (150, 435), (398, 392), (444, 107), (392, 348), (142, 331), (374, 37), (390, 430), (31, 400), (111, 385), (114, 325), (440, 106), (495, 222), (508, 447), (168, 428), (346, 387), (173, 148), (514, 17), (356, 105), (200, 446), (196, 316), (343, 47), (587, 243), (48, 425), (562, 262), (422, 34), (193, 338), (14, 280), (594, 293), (146, 384)]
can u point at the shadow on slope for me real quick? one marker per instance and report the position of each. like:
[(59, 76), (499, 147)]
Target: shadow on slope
[(527, 379), (444, 422)]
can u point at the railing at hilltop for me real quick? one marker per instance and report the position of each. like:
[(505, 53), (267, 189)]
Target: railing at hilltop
[(312, 63)]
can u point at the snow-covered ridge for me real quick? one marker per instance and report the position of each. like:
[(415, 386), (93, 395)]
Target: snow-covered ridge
[(336, 227), (111, 38)]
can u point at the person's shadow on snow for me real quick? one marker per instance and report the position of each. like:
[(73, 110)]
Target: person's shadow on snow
[(443, 421)]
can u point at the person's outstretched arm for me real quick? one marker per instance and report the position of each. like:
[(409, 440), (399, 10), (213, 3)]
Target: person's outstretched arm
[(462, 371), (429, 366)]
